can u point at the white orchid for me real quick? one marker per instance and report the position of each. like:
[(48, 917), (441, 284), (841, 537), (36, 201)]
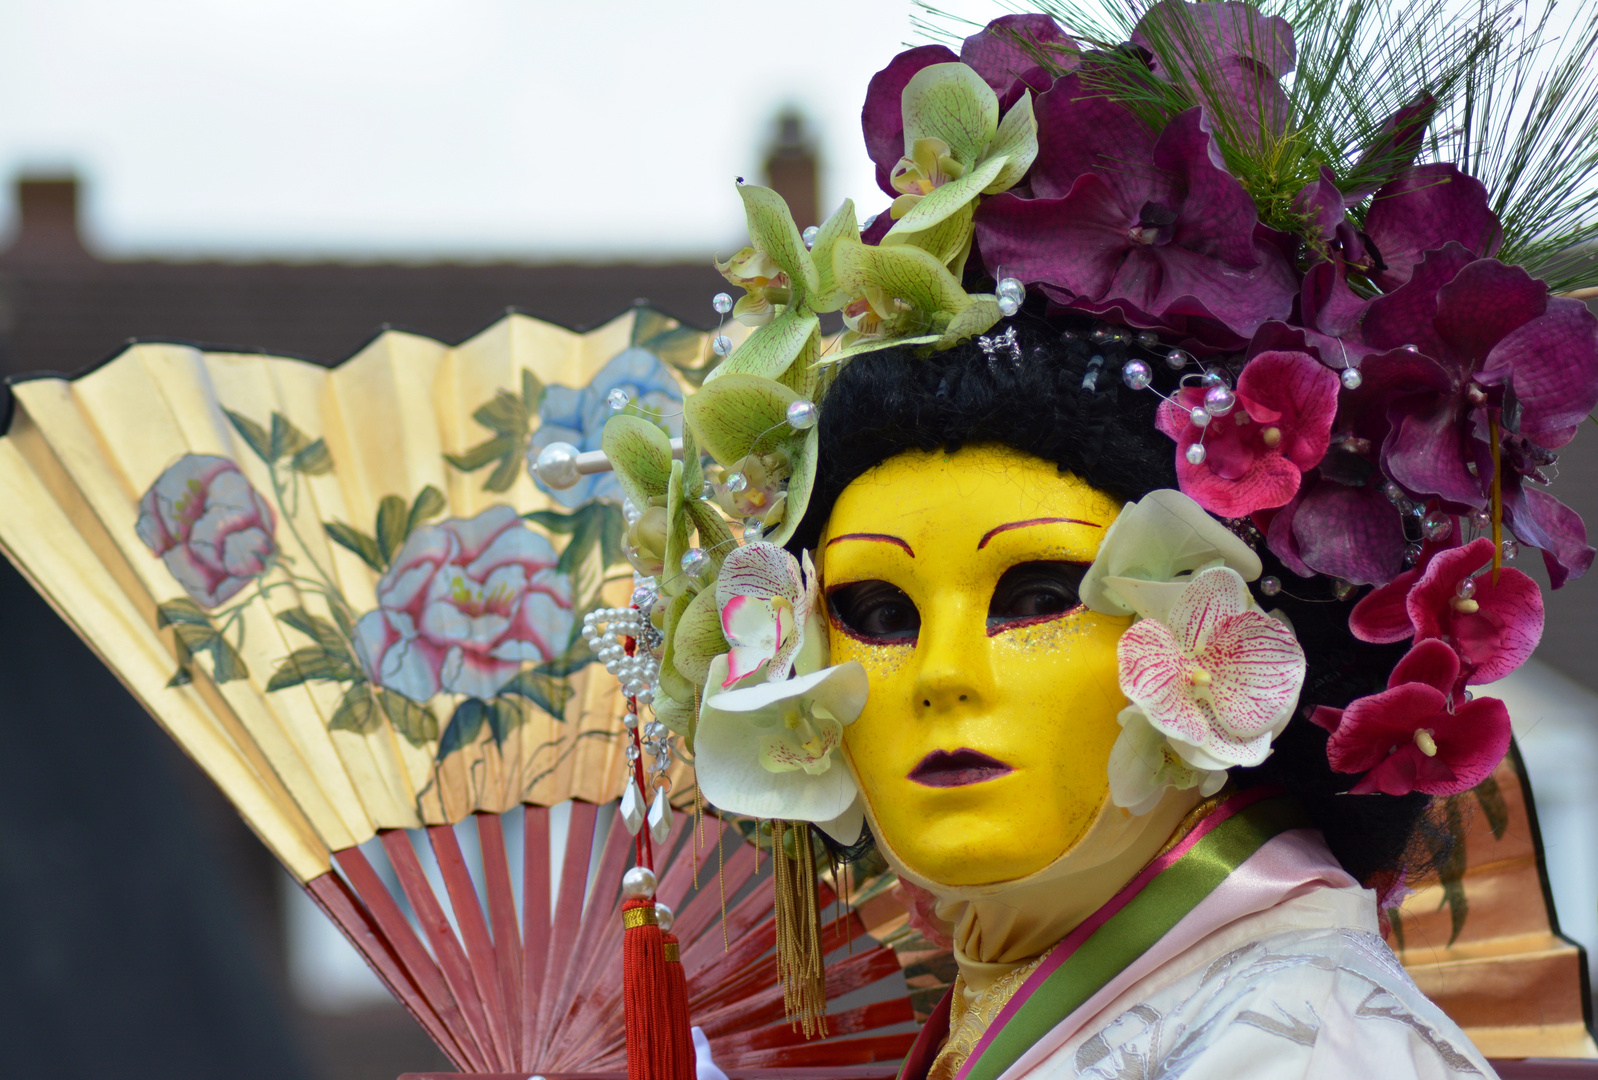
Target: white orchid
[(1212, 678), (1217, 676), (766, 606), (1143, 765), (767, 749)]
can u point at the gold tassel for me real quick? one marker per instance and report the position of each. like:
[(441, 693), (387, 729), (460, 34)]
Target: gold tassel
[(799, 949)]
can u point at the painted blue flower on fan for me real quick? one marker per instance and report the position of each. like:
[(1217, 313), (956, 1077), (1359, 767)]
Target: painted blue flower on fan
[(578, 416)]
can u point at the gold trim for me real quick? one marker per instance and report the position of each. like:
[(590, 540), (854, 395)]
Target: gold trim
[(635, 917), (673, 953)]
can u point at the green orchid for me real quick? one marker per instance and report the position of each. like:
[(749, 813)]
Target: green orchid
[(904, 295), (738, 418), (957, 149)]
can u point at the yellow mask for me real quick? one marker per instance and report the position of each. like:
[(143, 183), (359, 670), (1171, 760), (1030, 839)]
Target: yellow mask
[(984, 745)]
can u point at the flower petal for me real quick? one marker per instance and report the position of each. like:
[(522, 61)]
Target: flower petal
[(1422, 209), (883, 115), (1162, 535)]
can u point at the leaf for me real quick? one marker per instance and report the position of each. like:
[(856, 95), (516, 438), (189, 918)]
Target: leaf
[(585, 537), (342, 615), (554, 521), (312, 664), (318, 630), (392, 518), (532, 391), (504, 415), (612, 531), (481, 454), (253, 434), (286, 438), (572, 661), (356, 712), (465, 725), (314, 460), (1491, 798), (226, 663), (181, 610), (505, 474), (430, 502), (415, 722), (358, 542), (185, 672), (550, 693)]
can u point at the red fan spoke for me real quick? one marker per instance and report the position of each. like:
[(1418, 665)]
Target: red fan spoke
[(535, 922), (567, 919), (339, 903), (831, 1052), (879, 1014), (435, 925), (461, 1046), (705, 912), (502, 913), (482, 961), (766, 1006)]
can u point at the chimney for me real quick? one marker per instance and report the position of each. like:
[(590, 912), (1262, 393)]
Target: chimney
[(791, 168), (47, 222)]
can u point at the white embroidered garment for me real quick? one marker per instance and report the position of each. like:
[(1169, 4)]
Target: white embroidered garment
[(1278, 973)]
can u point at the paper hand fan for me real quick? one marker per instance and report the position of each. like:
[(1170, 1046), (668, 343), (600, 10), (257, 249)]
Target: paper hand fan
[(342, 593)]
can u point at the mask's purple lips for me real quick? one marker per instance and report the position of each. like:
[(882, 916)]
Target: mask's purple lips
[(957, 768)]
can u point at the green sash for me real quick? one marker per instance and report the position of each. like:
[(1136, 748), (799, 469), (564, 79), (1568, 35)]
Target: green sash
[(1126, 927)]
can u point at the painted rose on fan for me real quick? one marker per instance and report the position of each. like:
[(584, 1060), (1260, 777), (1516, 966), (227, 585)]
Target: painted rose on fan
[(464, 605), (208, 524), (577, 416)]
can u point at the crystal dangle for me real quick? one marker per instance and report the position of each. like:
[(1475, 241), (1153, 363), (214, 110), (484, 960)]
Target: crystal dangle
[(632, 806)]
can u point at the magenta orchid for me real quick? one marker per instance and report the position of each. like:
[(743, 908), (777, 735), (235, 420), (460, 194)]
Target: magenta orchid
[(1343, 530), (1148, 227), (1255, 455), (1216, 676), (1413, 736), (765, 602), (1494, 626), (1422, 209)]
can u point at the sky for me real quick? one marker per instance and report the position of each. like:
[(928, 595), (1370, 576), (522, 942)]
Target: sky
[(425, 128)]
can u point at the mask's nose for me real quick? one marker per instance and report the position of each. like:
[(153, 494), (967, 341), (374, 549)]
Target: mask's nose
[(954, 666)]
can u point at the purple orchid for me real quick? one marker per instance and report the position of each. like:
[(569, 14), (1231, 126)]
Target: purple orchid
[(1424, 208), (1344, 530), (1469, 334), (1227, 56), (1150, 227), (999, 53)]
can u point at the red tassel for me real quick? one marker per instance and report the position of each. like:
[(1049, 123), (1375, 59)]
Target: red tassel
[(645, 992), (684, 1062)]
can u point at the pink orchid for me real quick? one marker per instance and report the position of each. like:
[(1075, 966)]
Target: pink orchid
[(1382, 615), (1218, 677), (1411, 737), (765, 603), (1494, 628), (1255, 456)]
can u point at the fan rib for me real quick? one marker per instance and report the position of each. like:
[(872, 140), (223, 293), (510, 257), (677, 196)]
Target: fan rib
[(446, 947), (732, 1047), (568, 916), (412, 953), (481, 960), (338, 902), (535, 923), (601, 921), (502, 914)]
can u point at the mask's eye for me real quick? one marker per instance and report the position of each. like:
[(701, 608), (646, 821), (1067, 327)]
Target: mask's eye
[(1034, 591), (875, 611)]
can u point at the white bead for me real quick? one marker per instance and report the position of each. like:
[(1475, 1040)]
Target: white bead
[(722, 303), (664, 917), (1199, 417), (1013, 288), (722, 345), (1009, 305), (638, 882), (557, 465), (1195, 454), (809, 235), (617, 399), (802, 415), (1351, 378)]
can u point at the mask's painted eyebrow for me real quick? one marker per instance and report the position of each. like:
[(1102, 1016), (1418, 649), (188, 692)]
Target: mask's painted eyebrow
[(884, 538), (997, 529)]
